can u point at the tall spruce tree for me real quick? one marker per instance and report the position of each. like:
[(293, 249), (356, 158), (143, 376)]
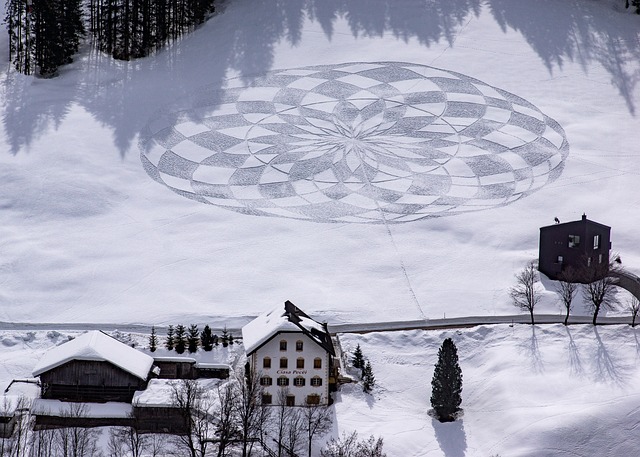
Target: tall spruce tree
[(224, 339), (358, 358), (206, 339), (169, 342), (193, 338), (180, 339), (368, 380), (153, 340), (446, 384)]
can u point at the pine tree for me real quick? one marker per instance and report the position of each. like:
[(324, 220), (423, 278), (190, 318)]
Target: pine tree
[(368, 380), (21, 40), (358, 359), (206, 339), (153, 340), (169, 342), (180, 339), (216, 340), (193, 338), (225, 337), (447, 383), (231, 340)]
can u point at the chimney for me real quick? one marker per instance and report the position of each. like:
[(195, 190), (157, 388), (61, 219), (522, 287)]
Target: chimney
[(584, 217)]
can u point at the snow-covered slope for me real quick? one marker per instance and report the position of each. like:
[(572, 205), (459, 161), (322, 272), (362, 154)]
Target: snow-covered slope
[(86, 234), (549, 391)]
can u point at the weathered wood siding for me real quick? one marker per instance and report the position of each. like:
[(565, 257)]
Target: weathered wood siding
[(158, 419), (50, 422), (81, 380), (176, 370)]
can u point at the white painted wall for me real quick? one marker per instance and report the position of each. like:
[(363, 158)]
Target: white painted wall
[(311, 350)]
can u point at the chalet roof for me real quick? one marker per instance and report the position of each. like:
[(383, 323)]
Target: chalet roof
[(100, 347), (279, 320)]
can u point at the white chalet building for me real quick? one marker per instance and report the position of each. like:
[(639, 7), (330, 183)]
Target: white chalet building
[(291, 354)]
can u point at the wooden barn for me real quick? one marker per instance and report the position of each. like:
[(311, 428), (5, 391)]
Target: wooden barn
[(93, 367), (579, 246), (176, 367)]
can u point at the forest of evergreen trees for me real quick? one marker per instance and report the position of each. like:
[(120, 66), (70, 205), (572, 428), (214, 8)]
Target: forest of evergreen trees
[(45, 34)]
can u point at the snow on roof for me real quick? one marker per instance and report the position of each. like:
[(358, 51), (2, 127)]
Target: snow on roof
[(100, 347), (57, 408), (205, 365), (175, 359), (263, 327), (159, 392), (287, 318)]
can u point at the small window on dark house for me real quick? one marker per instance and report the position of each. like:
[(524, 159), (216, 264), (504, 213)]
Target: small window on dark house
[(589, 261), (317, 363), (600, 258), (316, 381), (291, 400), (299, 345), (574, 241), (284, 363), (298, 381), (283, 381), (266, 381), (596, 241), (300, 363), (266, 399), (266, 362), (313, 399), (560, 259), (283, 345)]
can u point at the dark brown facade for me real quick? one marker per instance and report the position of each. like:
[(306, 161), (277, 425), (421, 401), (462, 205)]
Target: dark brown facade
[(577, 246), (89, 381), (159, 419)]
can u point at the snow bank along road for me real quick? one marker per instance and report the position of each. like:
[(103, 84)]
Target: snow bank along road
[(427, 324)]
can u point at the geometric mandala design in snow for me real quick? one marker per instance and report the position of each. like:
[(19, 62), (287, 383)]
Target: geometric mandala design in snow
[(380, 142)]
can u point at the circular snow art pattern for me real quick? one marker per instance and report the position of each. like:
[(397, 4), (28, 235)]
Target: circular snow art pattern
[(364, 142)]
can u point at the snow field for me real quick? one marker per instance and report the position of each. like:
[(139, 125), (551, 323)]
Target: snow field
[(87, 236), (527, 391)]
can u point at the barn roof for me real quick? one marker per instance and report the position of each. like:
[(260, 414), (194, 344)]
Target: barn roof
[(100, 347), (287, 319)]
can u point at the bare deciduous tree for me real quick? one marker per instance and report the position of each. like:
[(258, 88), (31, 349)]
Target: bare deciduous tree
[(634, 307), (194, 405), (599, 290), (318, 420), (252, 416), (15, 445), (42, 443), (287, 425), (349, 446), (76, 441), (225, 418), (525, 293), (566, 289), (126, 441)]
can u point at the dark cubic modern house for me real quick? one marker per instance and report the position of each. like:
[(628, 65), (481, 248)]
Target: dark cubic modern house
[(578, 246)]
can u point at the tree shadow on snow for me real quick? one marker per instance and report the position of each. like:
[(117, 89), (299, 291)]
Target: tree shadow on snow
[(532, 350), (451, 437), (575, 363), (241, 37), (607, 368)]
